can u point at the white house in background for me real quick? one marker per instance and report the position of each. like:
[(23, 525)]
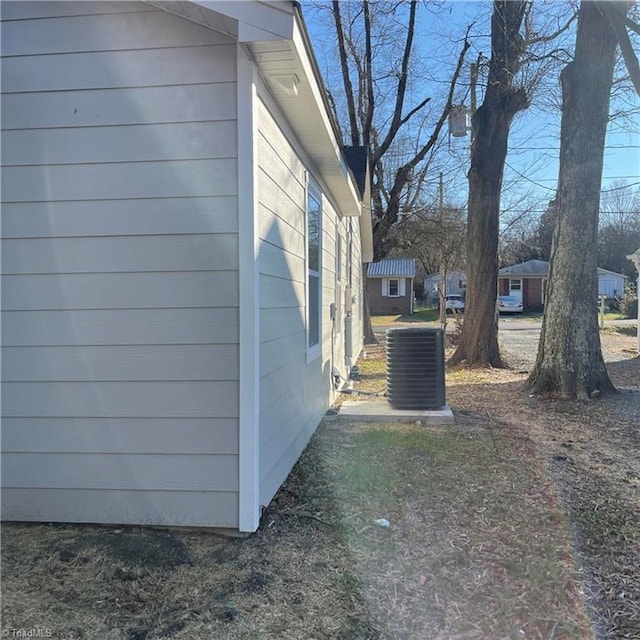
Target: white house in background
[(183, 241), (456, 282), (610, 283)]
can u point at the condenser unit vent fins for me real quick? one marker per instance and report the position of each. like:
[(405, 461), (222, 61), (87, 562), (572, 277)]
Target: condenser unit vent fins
[(415, 368)]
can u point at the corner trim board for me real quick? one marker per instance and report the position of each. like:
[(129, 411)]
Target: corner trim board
[(249, 436)]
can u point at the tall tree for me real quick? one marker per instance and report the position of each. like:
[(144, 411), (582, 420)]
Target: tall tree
[(376, 83), (569, 356), (434, 237), (399, 152), (490, 126)]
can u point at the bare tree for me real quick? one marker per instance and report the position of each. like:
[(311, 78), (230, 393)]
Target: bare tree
[(490, 124), (619, 228), (377, 65), (569, 356), (433, 237), (399, 168)]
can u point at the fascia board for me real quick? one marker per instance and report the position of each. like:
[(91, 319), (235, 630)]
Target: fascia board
[(257, 20)]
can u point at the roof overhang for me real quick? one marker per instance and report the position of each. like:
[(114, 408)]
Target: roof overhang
[(274, 32), (243, 21), (290, 71), (635, 258)]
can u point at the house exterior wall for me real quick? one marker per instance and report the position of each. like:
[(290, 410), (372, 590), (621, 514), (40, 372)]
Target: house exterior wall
[(610, 285), (120, 267), (456, 283), (385, 304), (533, 293), (295, 385)]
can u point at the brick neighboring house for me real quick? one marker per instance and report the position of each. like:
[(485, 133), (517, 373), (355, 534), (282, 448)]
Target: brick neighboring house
[(390, 285), (528, 281)]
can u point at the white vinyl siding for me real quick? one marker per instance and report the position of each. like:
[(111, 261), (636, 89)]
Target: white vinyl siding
[(120, 266), (294, 393)]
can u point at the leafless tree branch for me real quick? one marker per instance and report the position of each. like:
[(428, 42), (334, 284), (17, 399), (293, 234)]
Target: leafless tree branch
[(613, 13), (344, 63)]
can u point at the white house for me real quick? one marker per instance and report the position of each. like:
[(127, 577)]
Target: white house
[(183, 241), (456, 282)]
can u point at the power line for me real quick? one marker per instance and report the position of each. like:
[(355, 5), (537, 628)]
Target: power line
[(626, 186), (603, 211), (542, 186), (556, 148), (529, 179), (603, 177)]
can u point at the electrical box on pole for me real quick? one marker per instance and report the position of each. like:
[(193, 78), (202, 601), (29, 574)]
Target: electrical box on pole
[(459, 121)]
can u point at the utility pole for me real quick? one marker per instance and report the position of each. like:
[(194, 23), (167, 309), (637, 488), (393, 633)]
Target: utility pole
[(474, 84), (475, 70), (442, 289)]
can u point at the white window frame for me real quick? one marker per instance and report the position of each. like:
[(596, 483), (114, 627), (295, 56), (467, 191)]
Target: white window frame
[(397, 281), (313, 193), (338, 322)]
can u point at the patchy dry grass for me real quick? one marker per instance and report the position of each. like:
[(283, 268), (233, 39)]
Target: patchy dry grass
[(592, 452), (476, 548), (498, 525)]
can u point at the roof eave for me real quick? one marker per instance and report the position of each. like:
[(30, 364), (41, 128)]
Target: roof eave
[(290, 71)]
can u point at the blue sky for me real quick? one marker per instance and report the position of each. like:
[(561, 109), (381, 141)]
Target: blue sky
[(532, 163)]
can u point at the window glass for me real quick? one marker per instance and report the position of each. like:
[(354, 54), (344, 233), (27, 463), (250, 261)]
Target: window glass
[(394, 287), (313, 233), (314, 215)]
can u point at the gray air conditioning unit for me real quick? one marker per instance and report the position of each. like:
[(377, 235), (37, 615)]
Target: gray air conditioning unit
[(415, 368)]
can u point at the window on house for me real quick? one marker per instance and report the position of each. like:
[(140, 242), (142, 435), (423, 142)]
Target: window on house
[(516, 285), (394, 287), (338, 252), (314, 267)]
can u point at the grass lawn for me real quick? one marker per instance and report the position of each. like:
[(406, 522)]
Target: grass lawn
[(426, 314)]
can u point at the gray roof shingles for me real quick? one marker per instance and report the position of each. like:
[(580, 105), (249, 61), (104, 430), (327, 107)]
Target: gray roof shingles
[(539, 268)]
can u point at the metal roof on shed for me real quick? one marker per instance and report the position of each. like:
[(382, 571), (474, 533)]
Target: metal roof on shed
[(393, 267)]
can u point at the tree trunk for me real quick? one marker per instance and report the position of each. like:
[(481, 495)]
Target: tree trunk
[(569, 357), (367, 328), (491, 124)]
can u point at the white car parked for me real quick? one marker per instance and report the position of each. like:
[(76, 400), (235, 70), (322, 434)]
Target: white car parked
[(454, 302), (510, 304)]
